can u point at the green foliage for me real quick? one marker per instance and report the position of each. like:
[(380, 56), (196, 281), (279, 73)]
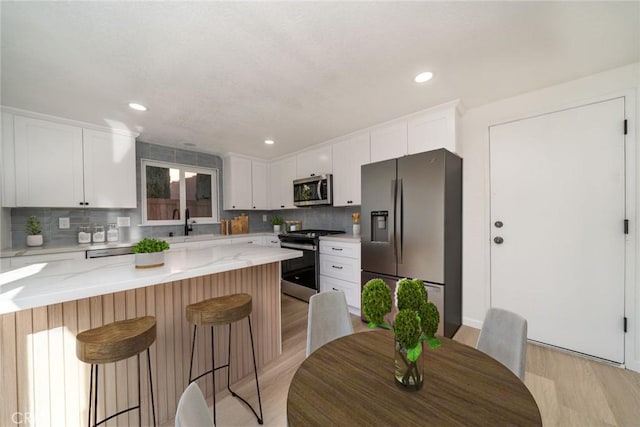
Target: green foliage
[(429, 318), (417, 319), (411, 294), (33, 226), (148, 245), (277, 220), (407, 328), (376, 300)]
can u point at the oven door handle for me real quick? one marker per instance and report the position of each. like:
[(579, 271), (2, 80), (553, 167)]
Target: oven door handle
[(298, 246)]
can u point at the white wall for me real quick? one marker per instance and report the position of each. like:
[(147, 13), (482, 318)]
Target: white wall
[(476, 198)]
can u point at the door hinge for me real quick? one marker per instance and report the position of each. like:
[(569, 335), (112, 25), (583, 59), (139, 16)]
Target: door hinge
[(626, 226), (625, 324), (625, 126)]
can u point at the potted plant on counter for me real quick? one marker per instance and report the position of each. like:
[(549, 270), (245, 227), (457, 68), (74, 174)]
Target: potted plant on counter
[(277, 222), (149, 252), (34, 231)]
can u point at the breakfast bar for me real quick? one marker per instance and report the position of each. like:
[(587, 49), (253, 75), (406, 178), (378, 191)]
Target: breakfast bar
[(43, 307)]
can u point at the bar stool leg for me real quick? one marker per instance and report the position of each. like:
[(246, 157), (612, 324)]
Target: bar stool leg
[(90, 396), (153, 405), (193, 346), (255, 371), (139, 395), (95, 397), (213, 374)]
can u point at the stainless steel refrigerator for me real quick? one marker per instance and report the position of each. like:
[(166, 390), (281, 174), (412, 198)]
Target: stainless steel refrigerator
[(411, 226)]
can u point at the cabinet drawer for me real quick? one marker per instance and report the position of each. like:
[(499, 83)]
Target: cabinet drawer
[(340, 267), (351, 290), (344, 249)]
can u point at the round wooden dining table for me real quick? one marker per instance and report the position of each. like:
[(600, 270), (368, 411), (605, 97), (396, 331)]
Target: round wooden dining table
[(350, 381)]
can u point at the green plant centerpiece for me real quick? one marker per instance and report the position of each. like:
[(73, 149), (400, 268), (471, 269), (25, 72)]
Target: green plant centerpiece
[(415, 323), (34, 231), (277, 222), (150, 252)]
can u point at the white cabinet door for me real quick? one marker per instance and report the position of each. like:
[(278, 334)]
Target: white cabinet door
[(259, 187), (49, 170), (237, 183), (7, 162), (431, 131), (389, 142), (314, 162), (281, 175), (348, 156), (255, 240), (272, 241), (351, 291), (109, 170)]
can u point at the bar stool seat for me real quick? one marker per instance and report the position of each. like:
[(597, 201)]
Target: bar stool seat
[(111, 343), (218, 311)]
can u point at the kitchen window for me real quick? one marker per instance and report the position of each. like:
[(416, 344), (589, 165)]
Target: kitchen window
[(169, 189)]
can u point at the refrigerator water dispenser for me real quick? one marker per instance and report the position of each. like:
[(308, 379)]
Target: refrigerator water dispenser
[(379, 232)]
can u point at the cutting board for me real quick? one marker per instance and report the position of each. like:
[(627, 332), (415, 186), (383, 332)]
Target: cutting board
[(240, 224)]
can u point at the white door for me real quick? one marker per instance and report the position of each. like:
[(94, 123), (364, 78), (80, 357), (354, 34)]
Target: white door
[(558, 188)]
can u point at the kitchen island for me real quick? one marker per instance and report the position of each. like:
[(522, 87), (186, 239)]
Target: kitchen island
[(43, 306)]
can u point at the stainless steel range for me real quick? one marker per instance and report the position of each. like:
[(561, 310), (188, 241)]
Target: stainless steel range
[(301, 276)]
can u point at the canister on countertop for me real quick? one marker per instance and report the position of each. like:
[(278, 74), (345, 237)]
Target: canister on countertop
[(98, 234), (84, 234), (112, 233)]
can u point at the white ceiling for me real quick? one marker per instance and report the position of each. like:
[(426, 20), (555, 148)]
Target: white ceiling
[(226, 76)]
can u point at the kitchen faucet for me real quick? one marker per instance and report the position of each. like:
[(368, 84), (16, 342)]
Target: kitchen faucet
[(187, 227)]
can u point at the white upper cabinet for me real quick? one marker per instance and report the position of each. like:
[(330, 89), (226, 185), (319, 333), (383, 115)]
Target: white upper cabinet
[(314, 162), (281, 175), (109, 170), (348, 156), (245, 183), (60, 165), (431, 130), (389, 142), (237, 183), (259, 185)]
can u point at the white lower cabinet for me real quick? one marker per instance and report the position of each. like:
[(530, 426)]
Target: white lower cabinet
[(256, 240), (340, 270), (272, 241)]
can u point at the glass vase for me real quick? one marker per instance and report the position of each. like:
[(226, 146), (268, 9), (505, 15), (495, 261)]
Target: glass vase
[(409, 375)]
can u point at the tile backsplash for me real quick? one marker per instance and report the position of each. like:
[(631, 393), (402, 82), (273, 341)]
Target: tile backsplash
[(318, 217)]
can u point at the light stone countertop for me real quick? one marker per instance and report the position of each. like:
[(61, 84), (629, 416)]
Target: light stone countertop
[(349, 238), (45, 250), (41, 284)]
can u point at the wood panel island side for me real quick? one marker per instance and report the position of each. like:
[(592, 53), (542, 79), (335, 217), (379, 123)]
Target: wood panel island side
[(43, 307)]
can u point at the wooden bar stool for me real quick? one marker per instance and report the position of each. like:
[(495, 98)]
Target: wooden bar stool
[(222, 311), (111, 343)]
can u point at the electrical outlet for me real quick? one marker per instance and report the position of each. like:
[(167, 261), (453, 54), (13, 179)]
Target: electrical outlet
[(63, 223), (124, 221), (264, 218)]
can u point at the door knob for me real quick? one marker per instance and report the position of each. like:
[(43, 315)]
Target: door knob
[(498, 240)]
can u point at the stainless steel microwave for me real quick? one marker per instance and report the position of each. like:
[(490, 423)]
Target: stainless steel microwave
[(313, 191)]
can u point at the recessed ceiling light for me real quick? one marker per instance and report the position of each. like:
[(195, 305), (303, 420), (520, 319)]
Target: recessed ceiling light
[(423, 77), (269, 141), (189, 144), (138, 107)]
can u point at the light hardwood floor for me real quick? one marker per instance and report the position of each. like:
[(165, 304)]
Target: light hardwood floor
[(569, 390)]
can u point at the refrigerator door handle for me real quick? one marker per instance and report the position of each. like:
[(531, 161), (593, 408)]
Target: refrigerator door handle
[(394, 201), (401, 221)]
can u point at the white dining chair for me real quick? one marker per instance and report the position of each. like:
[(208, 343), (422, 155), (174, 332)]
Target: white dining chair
[(192, 409), (504, 337), (328, 319)]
